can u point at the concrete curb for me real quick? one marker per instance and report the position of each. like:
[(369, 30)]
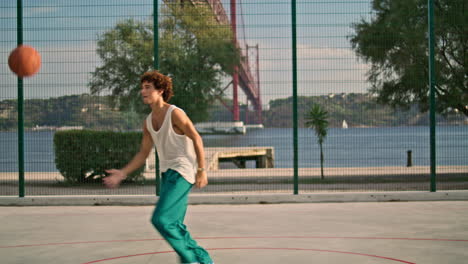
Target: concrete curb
[(138, 200)]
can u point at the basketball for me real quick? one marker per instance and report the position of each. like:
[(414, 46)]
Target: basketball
[(24, 61)]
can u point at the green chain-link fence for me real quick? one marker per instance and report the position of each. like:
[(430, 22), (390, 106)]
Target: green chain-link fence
[(249, 74)]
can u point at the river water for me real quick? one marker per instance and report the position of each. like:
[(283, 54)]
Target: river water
[(353, 147)]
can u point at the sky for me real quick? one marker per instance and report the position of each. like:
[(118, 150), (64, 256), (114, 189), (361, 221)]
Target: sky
[(65, 33)]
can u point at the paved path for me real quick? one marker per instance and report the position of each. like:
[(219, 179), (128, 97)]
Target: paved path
[(260, 181), (414, 232), (273, 173)]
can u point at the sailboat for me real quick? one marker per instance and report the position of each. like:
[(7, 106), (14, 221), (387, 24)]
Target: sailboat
[(344, 125)]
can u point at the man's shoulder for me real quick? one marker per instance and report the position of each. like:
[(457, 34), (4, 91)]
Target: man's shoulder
[(176, 107), (148, 116), (178, 115), (177, 110)]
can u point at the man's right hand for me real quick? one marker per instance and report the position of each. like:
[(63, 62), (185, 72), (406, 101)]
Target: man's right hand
[(114, 178)]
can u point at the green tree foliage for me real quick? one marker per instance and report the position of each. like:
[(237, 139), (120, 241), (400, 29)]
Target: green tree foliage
[(394, 41), (317, 119), (193, 48)]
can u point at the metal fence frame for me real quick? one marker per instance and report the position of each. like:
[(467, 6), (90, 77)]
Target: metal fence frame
[(432, 82)]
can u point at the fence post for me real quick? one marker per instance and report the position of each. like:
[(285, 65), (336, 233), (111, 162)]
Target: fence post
[(156, 66), (432, 82), (409, 158), (294, 84), (19, 21)]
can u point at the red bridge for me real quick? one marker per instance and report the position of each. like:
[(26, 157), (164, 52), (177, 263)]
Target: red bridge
[(242, 76)]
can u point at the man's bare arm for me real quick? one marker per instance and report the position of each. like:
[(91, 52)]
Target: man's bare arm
[(183, 122), (116, 176)]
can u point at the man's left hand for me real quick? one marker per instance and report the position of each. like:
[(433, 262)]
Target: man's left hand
[(201, 179)]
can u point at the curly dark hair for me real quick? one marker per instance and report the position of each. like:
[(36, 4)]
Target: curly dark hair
[(160, 82)]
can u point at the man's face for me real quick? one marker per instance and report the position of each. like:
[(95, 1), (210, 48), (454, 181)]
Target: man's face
[(149, 93)]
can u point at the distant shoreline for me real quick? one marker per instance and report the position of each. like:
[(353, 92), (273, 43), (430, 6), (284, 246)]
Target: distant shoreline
[(61, 128)]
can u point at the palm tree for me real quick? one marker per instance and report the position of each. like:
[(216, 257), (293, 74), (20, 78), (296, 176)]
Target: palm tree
[(317, 120)]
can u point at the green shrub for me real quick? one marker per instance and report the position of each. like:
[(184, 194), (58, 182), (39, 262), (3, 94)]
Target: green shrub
[(84, 155)]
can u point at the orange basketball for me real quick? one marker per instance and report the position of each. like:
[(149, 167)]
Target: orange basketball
[(24, 61)]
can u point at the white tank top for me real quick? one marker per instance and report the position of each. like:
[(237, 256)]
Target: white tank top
[(174, 151)]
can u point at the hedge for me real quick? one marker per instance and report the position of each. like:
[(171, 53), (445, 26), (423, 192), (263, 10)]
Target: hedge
[(84, 155)]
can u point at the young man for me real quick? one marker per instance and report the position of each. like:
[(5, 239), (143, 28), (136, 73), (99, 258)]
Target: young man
[(182, 161)]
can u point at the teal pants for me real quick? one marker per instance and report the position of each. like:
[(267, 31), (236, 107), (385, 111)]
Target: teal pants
[(168, 218)]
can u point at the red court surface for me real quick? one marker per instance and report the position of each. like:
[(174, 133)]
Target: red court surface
[(403, 232)]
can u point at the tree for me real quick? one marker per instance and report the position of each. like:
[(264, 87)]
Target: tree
[(317, 119), (395, 43), (193, 48)]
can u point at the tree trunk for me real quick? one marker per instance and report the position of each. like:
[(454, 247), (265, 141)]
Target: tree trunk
[(321, 162)]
